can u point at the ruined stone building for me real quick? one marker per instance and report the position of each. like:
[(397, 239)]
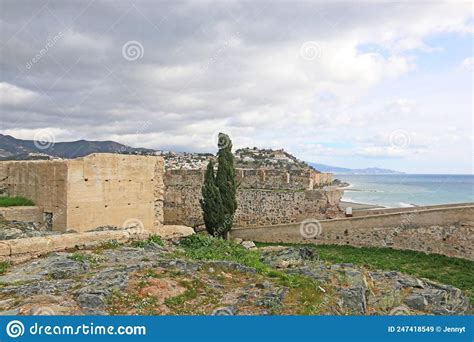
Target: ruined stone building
[(264, 197), (85, 193), (121, 190)]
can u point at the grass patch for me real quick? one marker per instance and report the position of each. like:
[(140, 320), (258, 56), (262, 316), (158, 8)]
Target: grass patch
[(79, 257), (143, 243), (122, 303), (190, 294), (112, 244), (4, 267), (205, 247), (15, 201), (301, 288), (453, 271)]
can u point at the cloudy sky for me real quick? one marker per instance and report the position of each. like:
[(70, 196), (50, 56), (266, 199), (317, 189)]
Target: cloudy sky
[(386, 84)]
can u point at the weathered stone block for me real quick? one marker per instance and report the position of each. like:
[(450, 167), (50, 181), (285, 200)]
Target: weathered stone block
[(34, 245), (4, 249)]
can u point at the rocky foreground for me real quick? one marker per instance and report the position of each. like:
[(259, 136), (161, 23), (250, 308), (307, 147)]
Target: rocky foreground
[(199, 275)]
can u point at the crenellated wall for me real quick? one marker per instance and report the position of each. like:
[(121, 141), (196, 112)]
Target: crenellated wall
[(113, 189), (257, 178), (264, 197)]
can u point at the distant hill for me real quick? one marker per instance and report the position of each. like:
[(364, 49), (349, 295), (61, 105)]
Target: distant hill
[(347, 171), (18, 149), (12, 148)]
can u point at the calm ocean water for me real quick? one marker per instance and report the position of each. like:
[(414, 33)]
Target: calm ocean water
[(407, 190)]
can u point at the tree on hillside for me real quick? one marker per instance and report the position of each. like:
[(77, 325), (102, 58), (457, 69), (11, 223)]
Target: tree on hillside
[(225, 180), (218, 201), (211, 202)]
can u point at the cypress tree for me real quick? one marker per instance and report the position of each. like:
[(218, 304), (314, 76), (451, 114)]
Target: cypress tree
[(211, 202), (218, 200), (225, 181)]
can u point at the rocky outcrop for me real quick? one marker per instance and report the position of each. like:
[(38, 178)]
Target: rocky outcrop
[(19, 230), (149, 278), (361, 291)]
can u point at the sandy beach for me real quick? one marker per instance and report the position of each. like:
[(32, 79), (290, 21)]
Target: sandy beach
[(356, 206), (343, 204)]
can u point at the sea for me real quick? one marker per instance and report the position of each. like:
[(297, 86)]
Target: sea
[(406, 190)]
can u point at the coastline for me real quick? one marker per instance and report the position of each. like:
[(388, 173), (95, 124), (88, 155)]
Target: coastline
[(344, 204), (395, 191), (355, 206)]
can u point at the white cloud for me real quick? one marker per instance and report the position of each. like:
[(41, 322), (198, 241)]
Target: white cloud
[(11, 95), (467, 63), (56, 134), (237, 67)]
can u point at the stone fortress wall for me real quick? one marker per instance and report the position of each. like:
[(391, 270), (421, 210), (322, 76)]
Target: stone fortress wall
[(123, 190), (43, 182), (113, 189), (256, 178), (447, 230), (85, 193), (264, 196)]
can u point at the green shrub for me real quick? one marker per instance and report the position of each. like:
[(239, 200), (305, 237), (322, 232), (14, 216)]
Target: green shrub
[(440, 268), (4, 266), (205, 247), (15, 201), (112, 244), (152, 238)]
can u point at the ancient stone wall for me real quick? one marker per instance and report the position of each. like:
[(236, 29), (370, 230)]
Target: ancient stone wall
[(113, 189), (23, 214), (448, 231), (257, 179), (264, 197), (378, 211), (263, 207), (43, 182), (97, 190)]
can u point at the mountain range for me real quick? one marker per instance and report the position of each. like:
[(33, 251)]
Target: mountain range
[(18, 149), (347, 171), (12, 148)]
